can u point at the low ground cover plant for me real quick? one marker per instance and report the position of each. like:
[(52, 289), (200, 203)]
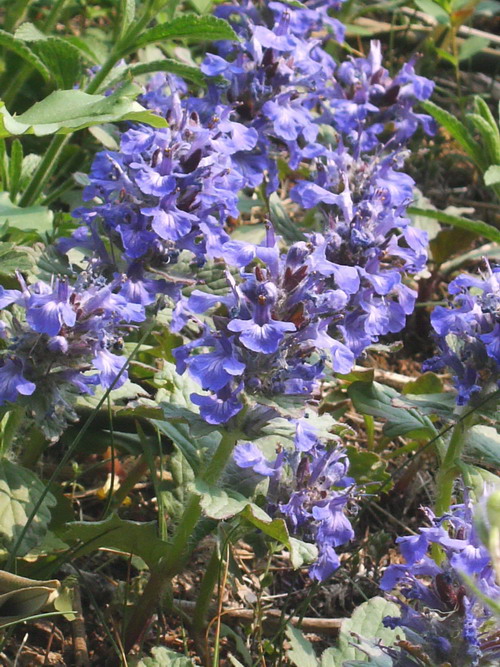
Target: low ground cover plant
[(214, 289)]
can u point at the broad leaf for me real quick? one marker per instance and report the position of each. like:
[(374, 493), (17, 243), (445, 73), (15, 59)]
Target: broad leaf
[(164, 657), (374, 399), (217, 503), (21, 597), (38, 218), (65, 111), (130, 537), (188, 26), (301, 652), (483, 444), (20, 491), (434, 10), (472, 46), (12, 259), (366, 621)]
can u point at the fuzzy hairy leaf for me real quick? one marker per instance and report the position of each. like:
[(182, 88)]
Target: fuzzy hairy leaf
[(12, 43)]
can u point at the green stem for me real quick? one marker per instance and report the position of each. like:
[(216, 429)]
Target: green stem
[(205, 593), (180, 548), (448, 471), (44, 170)]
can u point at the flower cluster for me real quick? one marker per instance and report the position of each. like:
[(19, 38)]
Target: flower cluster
[(310, 487), (449, 623), (54, 336), (165, 191), (468, 333), (274, 330)]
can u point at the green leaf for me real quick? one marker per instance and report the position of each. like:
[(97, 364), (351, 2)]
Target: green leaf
[(492, 175), (130, 537), (61, 58), (21, 597), (434, 10), (127, 12), (489, 135), (458, 131), (10, 42), (375, 399), (482, 108), (478, 227), (38, 218), (65, 111), (12, 260), (472, 46), (164, 657), (366, 621), (217, 503), (483, 444), (188, 26), (282, 221), (167, 65), (366, 467), (301, 652), (20, 490)]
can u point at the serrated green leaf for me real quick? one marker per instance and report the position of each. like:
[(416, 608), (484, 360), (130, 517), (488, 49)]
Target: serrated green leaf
[(164, 657), (65, 111), (478, 227), (38, 218), (458, 131), (188, 26), (131, 537), (492, 175), (28, 32), (20, 490), (366, 621), (61, 58), (301, 652), (10, 42)]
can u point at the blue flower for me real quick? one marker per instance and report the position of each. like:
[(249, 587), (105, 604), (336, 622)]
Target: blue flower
[(12, 381)]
